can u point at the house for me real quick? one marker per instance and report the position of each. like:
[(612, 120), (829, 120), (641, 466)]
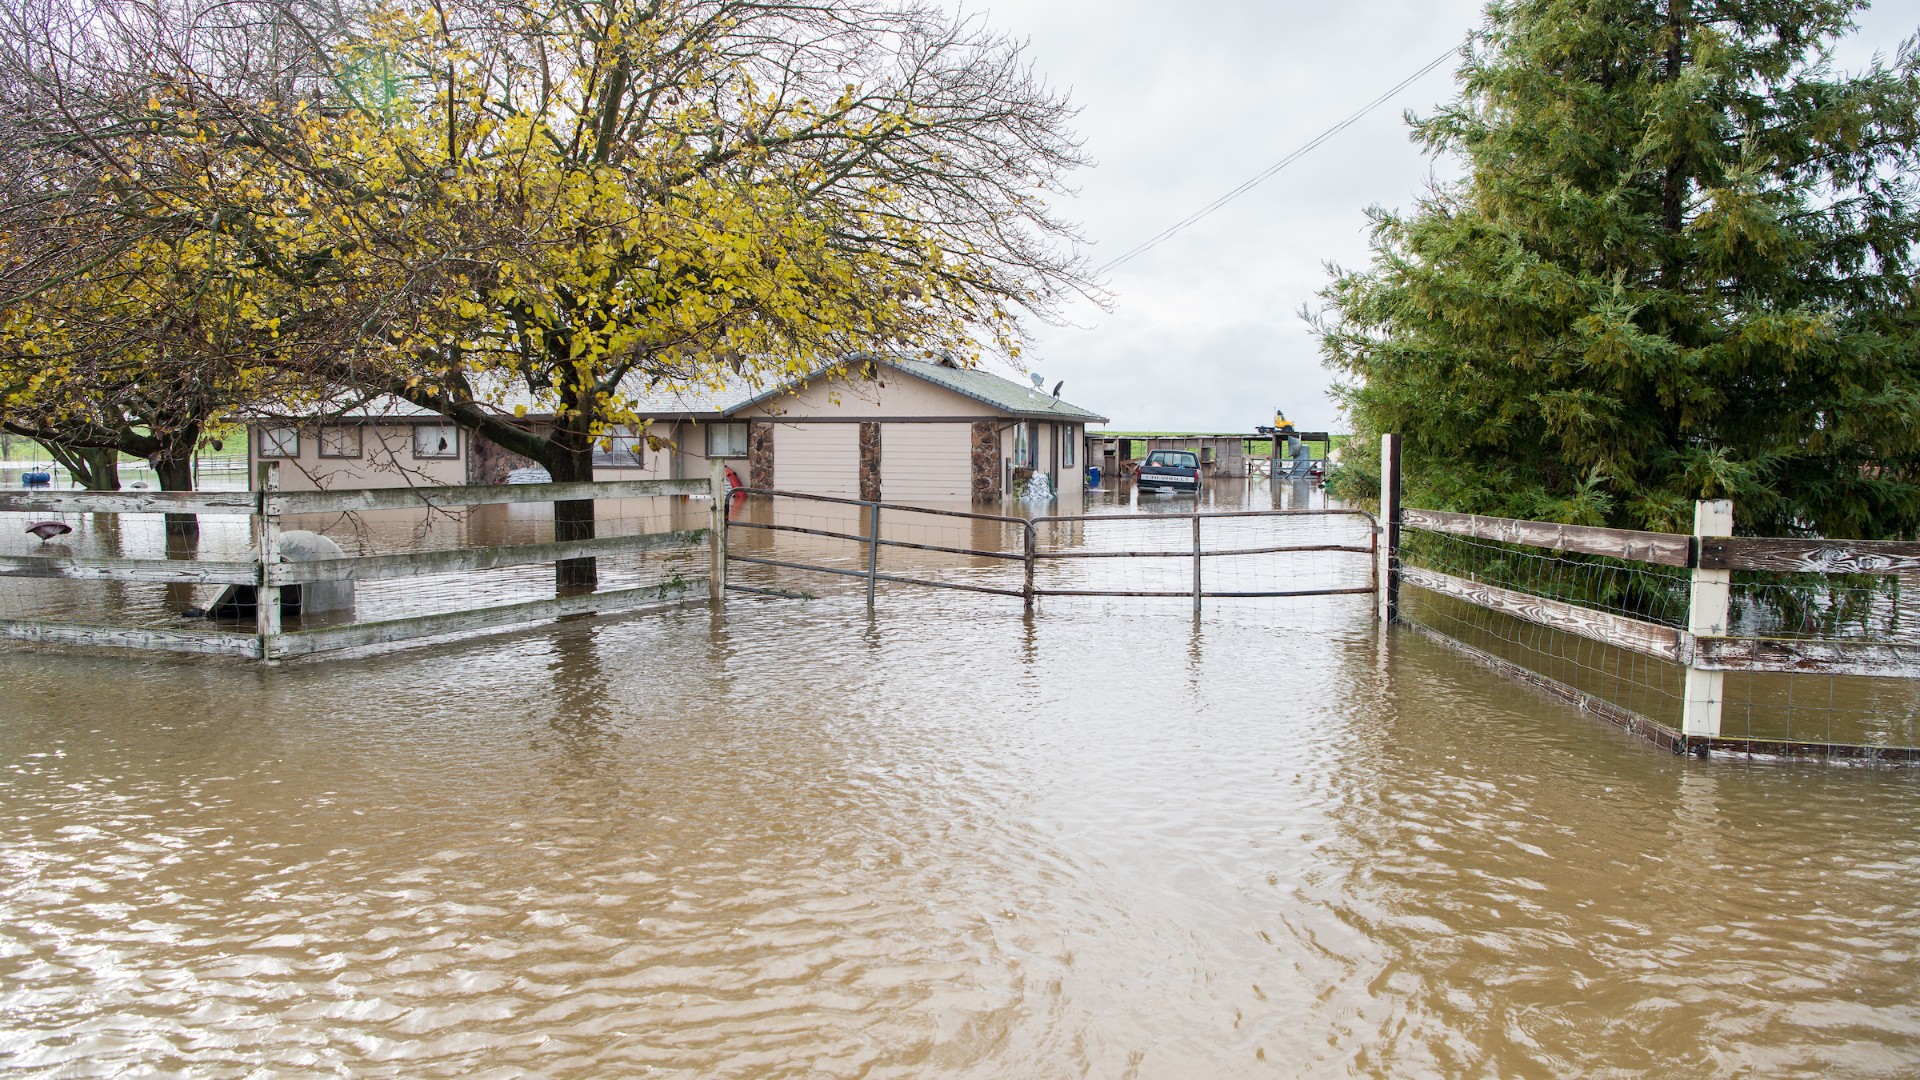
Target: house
[(874, 428)]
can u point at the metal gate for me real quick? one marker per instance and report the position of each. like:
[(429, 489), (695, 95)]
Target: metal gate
[(781, 543)]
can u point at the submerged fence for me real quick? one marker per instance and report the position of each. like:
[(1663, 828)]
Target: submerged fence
[(269, 574), (1193, 557), (1703, 643)]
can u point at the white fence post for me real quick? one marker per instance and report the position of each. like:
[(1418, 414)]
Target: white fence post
[(1707, 617), (266, 595), (1387, 557), (717, 533)]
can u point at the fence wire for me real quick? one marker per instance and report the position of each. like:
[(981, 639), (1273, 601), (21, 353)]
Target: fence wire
[(1791, 710), (805, 546), (676, 557)]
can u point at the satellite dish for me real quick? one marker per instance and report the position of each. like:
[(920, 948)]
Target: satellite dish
[(1039, 381)]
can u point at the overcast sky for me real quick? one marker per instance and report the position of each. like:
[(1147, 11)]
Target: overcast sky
[(1181, 102)]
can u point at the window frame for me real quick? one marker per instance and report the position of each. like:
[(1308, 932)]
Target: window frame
[(451, 434), (359, 441), (276, 449), (730, 427)]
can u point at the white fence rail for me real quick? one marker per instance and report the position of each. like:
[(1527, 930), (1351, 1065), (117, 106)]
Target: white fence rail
[(149, 570)]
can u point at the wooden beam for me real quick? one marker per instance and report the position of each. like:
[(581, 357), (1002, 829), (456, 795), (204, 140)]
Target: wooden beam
[(1829, 657), (1707, 596), (208, 642), (414, 498), (72, 568), (1791, 556), (303, 642), (1662, 549), (1603, 626), (130, 502), (414, 563)]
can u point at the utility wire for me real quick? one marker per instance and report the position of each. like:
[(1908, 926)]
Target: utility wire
[(1223, 200)]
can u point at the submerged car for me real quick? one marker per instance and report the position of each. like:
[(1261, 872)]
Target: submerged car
[(1170, 470)]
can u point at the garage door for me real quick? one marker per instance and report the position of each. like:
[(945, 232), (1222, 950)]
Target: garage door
[(921, 462), (820, 459)]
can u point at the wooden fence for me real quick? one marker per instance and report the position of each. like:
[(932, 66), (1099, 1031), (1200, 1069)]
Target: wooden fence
[(1704, 646), (268, 572)]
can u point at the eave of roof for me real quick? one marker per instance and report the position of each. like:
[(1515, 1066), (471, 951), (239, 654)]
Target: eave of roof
[(972, 383)]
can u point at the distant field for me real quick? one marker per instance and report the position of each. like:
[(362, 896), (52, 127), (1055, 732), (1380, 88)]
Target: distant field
[(233, 444)]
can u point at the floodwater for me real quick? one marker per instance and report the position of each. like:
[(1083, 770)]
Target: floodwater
[(790, 840)]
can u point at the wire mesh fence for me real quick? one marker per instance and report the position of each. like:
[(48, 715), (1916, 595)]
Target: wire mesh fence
[(1802, 663), (184, 572)]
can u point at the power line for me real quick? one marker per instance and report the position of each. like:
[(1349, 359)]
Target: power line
[(1223, 200)]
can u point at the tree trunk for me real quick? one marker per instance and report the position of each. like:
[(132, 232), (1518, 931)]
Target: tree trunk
[(173, 464), (103, 469), (572, 462), (95, 468)]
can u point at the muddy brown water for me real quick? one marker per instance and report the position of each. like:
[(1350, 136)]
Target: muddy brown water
[(788, 840)]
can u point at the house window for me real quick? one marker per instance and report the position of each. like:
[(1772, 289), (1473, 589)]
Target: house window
[(727, 440), (620, 448), (1068, 437), (436, 440), (1022, 446), (280, 442), (340, 442)]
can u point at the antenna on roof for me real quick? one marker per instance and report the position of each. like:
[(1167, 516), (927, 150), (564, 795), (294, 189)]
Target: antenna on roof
[(1039, 382)]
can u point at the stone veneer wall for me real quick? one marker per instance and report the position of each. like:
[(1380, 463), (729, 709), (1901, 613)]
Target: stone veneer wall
[(759, 454), (488, 462), (986, 460), (870, 460)]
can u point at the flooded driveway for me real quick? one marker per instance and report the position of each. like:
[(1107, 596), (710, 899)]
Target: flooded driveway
[(1104, 841)]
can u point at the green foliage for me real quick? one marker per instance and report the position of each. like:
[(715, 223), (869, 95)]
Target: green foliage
[(1680, 266)]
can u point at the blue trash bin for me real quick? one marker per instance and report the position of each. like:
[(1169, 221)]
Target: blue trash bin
[(1093, 476)]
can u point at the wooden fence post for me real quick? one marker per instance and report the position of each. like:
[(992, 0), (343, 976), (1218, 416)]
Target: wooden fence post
[(1031, 547), (1387, 560), (266, 595), (1707, 617), (717, 533)]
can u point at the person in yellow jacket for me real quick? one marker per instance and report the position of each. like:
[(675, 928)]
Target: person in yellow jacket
[(1299, 457)]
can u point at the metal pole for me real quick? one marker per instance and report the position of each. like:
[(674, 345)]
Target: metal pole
[(266, 594), (717, 534), (1707, 617), (1196, 564), (873, 551), (1388, 561), (1032, 545)]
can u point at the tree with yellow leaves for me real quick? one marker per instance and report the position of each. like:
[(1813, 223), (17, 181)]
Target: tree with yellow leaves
[(590, 199)]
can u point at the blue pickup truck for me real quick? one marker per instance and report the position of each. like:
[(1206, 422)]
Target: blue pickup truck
[(1170, 470)]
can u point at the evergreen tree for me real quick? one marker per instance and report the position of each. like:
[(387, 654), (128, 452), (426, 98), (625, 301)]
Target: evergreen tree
[(1680, 266)]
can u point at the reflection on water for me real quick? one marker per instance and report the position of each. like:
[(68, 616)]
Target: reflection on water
[(788, 840)]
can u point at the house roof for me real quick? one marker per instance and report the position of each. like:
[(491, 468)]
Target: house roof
[(991, 389), (982, 386), (728, 396)]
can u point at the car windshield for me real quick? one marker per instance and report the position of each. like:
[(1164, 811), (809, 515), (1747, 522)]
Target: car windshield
[(1173, 459)]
